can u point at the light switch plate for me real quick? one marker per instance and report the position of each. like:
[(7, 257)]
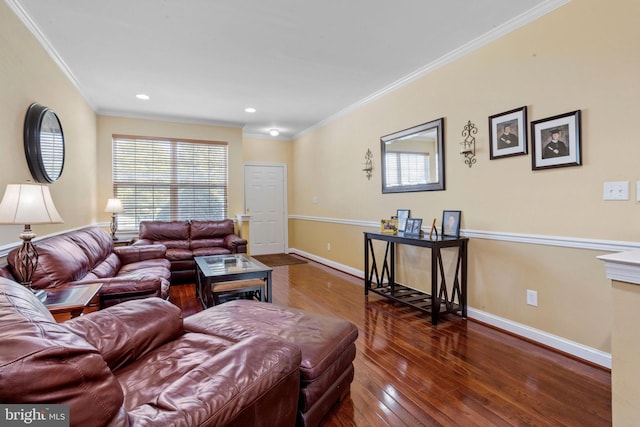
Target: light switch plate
[(618, 190)]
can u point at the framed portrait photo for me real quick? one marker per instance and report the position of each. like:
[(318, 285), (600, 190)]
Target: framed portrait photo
[(451, 223), (414, 226), (403, 215), (508, 134), (556, 141)]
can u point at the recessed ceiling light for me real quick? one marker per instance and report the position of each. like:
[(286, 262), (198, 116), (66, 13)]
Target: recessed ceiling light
[(250, 110), (142, 96), (274, 132)]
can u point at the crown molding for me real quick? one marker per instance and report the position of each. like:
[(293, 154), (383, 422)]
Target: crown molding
[(48, 47)]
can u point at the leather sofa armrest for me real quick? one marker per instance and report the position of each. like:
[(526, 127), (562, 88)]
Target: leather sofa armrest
[(137, 253), (232, 242), (137, 241), (127, 331), (123, 285)]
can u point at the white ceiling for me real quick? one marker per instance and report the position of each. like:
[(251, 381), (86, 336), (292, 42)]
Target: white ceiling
[(298, 62)]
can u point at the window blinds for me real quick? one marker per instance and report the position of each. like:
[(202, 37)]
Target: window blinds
[(163, 179)]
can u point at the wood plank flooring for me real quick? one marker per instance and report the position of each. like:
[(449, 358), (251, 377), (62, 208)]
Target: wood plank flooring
[(459, 373)]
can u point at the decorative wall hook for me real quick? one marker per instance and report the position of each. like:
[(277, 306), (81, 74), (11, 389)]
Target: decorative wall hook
[(468, 145), (367, 164)]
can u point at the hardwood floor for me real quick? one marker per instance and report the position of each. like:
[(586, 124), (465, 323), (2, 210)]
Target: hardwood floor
[(459, 373)]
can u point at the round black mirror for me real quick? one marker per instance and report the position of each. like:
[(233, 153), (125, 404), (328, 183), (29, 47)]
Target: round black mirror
[(43, 143)]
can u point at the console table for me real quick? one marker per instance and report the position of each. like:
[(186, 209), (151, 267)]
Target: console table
[(438, 301)]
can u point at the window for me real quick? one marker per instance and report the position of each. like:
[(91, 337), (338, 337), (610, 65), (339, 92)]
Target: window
[(404, 168), (165, 179)]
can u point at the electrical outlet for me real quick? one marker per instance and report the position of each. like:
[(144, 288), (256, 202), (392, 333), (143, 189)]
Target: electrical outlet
[(532, 298), (329, 246)]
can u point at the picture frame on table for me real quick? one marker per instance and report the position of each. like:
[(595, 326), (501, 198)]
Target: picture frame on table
[(451, 223), (414, 226), (389, 226), (402, 215), (508, 134), (556, 141)]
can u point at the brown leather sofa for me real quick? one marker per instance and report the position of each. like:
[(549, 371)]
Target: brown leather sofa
[(134, 364), (185, 240), (88, 256)]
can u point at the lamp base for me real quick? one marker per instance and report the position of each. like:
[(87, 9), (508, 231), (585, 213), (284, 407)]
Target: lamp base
[(114, 226), (26, 258)]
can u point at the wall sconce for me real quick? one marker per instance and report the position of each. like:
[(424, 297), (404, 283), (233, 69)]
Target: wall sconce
[(114, 206), (468, 145), (367, 164)]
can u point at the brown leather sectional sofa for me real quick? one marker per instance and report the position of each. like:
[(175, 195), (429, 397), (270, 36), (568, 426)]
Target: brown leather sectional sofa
[(88, 256), (185, 240), (134, 364)]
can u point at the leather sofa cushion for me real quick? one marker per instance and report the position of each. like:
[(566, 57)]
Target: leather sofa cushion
[(164, 231), (179, 254), (205, 377), (173, 244), (107, 268), (127, 332), (60, 261), (208, 243), (96, 244), (211, 251), (322, 339), (209, 229), (42, 361)]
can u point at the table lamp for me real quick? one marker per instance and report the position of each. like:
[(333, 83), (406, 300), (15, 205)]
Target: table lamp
[(27, 204), (114, 206)]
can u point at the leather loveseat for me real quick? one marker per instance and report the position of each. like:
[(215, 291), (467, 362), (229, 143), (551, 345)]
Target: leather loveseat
[(133, 364), (88, 256), (185, 240)]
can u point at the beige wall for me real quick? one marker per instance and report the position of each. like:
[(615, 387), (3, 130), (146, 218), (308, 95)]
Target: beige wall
[(581, 56), (30, 75), (108, 126)]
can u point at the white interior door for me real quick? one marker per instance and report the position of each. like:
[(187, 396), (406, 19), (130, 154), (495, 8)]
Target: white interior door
[(266, 204)]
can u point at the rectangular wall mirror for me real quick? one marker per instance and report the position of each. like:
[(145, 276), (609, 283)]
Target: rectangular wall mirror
[(413, 159)]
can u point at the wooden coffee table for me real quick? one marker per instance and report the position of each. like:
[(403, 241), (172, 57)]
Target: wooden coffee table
[(71, 299), (219, 274)]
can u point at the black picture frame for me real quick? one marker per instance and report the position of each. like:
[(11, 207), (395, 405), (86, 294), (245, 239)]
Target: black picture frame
[(556, 141), (414, 226), (508, 134), (403, 215), (451, 223)]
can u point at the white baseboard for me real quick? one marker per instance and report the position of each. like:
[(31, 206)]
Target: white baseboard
[(561, 344), (570, 347)]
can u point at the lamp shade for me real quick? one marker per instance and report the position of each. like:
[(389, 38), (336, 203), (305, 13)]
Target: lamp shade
[(28, 204), (114, 206)]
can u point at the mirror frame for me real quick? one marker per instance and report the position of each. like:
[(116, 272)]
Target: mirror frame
[(33, 143), (437, 124)]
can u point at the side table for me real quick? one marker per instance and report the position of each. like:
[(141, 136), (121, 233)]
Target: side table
[(72, 299)]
